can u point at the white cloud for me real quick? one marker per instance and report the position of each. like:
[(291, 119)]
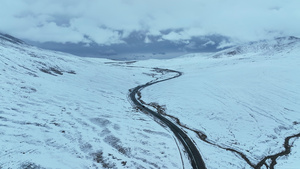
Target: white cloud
[(74, 20), (225, 44), (147, 40), (95, 31), (210, 42), (184, 34), (51, 32)]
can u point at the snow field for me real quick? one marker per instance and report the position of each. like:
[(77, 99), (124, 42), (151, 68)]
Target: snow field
[(62, 111), (249, 102)]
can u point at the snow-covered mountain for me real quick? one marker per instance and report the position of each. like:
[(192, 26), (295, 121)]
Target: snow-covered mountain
[(62, 111), (245, 101), (267, 47)]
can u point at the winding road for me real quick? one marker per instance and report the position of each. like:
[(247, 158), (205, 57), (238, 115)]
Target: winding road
[(190, 148)]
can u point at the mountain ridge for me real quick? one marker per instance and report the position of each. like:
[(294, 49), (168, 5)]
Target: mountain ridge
[(11, 39), (263, 46)]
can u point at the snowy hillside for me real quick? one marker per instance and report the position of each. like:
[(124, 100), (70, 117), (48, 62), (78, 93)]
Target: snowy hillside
[(242, 102), (62, 111), (265, 47)]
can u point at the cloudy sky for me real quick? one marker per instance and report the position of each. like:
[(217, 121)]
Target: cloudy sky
[(110, 21)]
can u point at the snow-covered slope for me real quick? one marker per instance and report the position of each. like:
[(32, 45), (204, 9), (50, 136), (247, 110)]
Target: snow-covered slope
[(62, 111), (244, 99), (264, 47)]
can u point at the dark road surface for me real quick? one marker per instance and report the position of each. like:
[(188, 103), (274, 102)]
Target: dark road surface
[(190, 148)]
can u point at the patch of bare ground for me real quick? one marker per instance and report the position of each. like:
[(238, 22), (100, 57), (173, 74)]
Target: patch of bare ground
[(98, 157), (29, 165)]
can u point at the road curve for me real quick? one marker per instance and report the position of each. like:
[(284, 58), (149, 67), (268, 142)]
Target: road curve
[(190, 148)]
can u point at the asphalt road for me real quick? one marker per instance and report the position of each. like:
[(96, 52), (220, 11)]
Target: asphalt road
[(190, 148)]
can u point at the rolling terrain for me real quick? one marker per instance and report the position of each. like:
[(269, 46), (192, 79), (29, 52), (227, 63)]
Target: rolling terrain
[(239, 107)]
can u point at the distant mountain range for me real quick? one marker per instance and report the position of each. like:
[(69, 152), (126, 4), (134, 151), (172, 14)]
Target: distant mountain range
[(139, 46)]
